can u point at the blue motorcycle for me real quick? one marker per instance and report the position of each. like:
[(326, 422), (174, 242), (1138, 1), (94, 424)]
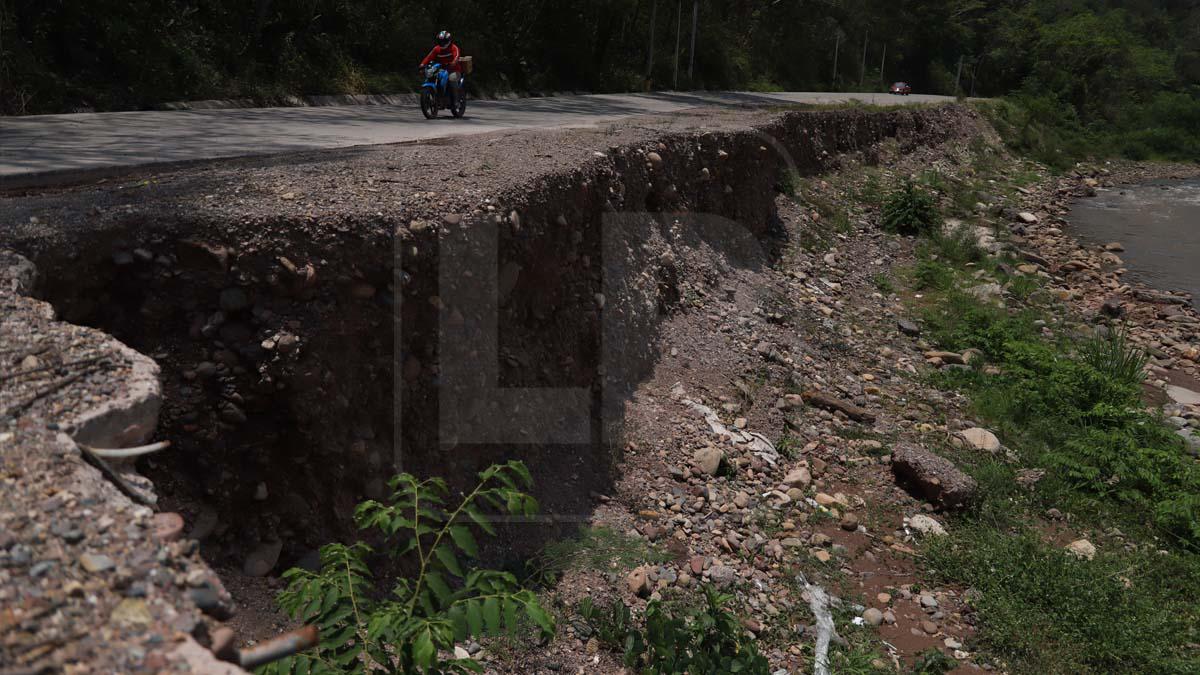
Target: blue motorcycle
[(437, 93)]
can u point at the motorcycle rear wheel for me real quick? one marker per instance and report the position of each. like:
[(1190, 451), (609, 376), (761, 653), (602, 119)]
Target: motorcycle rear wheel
[(458, 106), (429, 107)]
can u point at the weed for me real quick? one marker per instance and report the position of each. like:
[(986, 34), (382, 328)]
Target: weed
[(883, 283), (709, 639), (933, 662), (910, 210), (933, 275), (593, 548), (1113, 355), (445, 601)]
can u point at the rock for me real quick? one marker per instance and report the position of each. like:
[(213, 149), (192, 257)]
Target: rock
[(131, 612), (263, 559), (980, 439), (1082, 548), (883, 598), (721, 575), (234, 300), (95, 563), (1182, 396), (168, 526), (823, 400), (849, 522), (708, 459), (936, 478), (1027, 218), (824, 499), (873, 616), (1113, 308), (638, 582), (1115, 247), (224, 644), (923, 524), (207, 600), (655, 159), (822, 555), (928, 601), (946, 357), (798, 477), (908, 327), (1191, 439)]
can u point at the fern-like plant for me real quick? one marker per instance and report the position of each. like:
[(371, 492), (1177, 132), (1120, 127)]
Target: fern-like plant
[(447, 599), (910, 210)]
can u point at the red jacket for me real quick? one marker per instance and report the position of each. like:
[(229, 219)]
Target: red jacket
[(447, 56)]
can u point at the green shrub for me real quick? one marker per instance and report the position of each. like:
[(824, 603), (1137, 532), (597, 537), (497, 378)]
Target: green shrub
[(707, 640), (933, 275), (1113, 355), (910, 210), (423, 616)]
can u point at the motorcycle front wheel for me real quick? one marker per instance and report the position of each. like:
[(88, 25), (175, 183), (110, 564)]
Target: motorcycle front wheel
[(429, 106)]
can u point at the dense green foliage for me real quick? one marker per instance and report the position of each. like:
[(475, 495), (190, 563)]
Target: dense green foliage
[(709, 639), (910, 210), (1078, 70), (443, 601)]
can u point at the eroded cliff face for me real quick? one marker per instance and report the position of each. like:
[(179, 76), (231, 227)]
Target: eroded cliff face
[(325, 321)]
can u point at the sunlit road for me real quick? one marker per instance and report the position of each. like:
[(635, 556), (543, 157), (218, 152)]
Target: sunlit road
[(50, 146)]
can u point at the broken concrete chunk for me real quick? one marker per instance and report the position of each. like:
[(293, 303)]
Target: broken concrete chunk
[(933, 477)]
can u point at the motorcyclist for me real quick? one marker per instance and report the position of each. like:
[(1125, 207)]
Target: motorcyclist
[(446, 53)]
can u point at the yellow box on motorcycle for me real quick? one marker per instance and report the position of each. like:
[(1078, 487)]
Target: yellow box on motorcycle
[(467, 63)]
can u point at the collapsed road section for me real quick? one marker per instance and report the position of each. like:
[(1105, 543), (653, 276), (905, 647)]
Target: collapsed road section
[(277, 333)]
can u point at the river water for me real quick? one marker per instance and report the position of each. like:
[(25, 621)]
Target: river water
[(1159, 225)]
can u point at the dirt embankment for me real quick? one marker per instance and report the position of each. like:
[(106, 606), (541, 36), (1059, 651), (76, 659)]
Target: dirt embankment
[(294, 307)]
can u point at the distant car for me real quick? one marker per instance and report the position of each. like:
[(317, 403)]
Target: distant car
[(901, 88)]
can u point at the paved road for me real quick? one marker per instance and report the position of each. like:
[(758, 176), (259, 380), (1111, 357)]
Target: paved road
[(47, 146)]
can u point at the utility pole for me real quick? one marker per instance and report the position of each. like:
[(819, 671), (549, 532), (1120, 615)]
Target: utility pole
[(650, 60), (678, 25), (836, 44), (692, 50), (958, 77), (862, 75), (882, 63)]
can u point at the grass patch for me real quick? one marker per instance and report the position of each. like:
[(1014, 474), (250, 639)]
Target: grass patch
[(1044, 611), (1070, 406), (595, 548)]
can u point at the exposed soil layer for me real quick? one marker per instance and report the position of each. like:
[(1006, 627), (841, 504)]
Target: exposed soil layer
[(294, 306)]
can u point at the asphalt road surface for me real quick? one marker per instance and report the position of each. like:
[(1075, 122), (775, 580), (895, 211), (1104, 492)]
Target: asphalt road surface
[(45, 147)]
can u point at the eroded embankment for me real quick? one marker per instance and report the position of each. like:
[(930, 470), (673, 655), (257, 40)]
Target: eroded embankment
[(295, 307)]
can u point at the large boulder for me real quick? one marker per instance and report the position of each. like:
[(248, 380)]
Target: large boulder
[(933, 477)]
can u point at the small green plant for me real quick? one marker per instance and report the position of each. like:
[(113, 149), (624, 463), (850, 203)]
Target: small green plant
[(707, 640), (910, 210), (593, 548), (446, 600), (789, 183), (933, 662), (883, 283), (930, 275), (1113, 355)]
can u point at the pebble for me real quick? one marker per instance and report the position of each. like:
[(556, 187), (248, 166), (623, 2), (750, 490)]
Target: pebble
[(873, 616), (929, 627), (95, 563)]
